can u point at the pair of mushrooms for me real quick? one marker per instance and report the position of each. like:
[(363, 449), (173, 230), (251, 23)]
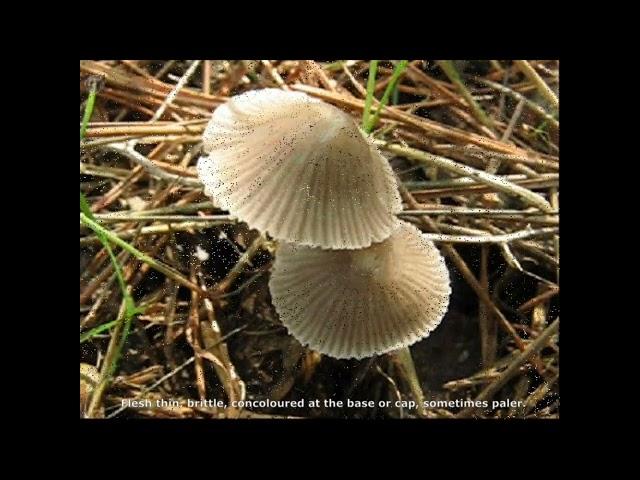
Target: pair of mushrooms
[(350, 280)]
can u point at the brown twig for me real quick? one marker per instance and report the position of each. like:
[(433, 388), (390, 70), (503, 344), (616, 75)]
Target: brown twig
[(493, 388)]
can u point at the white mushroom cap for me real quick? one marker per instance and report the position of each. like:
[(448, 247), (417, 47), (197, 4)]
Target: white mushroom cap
[(300, 169), (359, 303)]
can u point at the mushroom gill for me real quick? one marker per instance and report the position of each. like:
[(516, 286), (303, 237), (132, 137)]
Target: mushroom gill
[(359, 303), (300, 169)]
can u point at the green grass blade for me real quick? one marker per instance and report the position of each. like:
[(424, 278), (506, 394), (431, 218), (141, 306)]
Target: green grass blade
[(395, 76), (123, 339), (130, 307), (88, 110), (449, 69), (130, 310), (96, 331), (113, 238), (371, 85), (85, 208), (395, 96), (335, 66)]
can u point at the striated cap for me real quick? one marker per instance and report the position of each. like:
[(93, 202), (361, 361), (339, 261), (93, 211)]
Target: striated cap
[(359, 303), (300, 169)]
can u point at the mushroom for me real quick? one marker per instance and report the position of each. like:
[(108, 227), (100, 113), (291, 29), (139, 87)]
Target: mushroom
[(300, 169), (359, 303)]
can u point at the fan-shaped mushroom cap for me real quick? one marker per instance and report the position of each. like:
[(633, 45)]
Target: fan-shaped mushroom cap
[(300, 169), (359, 303)]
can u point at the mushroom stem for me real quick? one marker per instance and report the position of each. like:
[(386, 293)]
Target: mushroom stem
[(404, 359)]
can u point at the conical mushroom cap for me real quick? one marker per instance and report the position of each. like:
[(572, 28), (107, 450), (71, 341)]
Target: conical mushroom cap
[(359, 303), (299, 169)]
